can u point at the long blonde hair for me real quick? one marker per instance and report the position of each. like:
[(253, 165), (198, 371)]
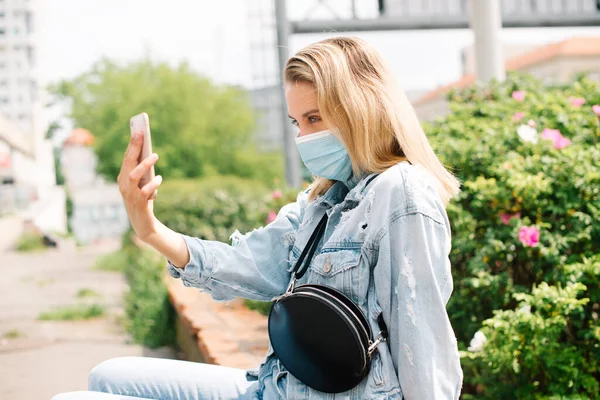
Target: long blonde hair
[(357, 94)]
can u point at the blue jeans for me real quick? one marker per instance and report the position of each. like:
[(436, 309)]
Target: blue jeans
[(131, 378)]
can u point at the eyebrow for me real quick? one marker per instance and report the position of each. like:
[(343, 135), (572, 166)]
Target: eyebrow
[(306, 114)]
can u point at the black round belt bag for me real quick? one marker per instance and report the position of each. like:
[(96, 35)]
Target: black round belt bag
[(319, 334)]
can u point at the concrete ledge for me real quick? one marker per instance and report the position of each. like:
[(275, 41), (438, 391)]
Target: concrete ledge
[(223, 333)]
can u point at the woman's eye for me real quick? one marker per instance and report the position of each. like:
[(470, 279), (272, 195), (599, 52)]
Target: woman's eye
[(312, 120), (294, 122)]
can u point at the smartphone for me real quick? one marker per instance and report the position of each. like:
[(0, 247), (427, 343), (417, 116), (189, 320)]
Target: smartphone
[(141, 123)]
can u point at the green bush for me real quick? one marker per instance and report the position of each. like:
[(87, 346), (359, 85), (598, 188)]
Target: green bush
[(213, 208), (525, 235), (150, 315), (116, 261)]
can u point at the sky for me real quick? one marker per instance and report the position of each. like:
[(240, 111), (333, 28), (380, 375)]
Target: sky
[(213, 36)]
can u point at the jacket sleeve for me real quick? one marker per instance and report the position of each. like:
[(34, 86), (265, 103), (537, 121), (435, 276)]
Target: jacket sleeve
[(413, 283), (255, 266)]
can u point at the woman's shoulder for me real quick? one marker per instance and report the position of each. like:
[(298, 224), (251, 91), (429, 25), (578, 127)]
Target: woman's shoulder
[(405, 189)]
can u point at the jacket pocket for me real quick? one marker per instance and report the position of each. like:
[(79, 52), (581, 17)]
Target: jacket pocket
[(341, 269)]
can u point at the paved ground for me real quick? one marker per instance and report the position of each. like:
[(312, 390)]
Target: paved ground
[(49, 357)]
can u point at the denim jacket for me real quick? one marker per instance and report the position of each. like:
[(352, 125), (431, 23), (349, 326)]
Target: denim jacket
[(386, 246)]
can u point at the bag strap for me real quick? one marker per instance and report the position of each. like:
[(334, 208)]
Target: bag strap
[(310, 248), (369, 181)]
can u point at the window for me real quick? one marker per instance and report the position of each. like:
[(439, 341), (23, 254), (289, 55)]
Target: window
[(33, 91), (28, 23), (30, 56)]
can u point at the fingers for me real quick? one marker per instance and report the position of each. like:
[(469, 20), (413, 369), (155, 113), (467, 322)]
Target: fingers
[(131, 157), (149, 188), (133, 150), (142, 168)]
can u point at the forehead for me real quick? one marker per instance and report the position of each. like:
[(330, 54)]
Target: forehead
[(300, 96)]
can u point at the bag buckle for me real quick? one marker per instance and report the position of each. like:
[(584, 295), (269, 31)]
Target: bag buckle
[(288, 291), (373, 345)]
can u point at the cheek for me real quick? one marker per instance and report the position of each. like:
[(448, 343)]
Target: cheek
[(302, 130), (306, 128)]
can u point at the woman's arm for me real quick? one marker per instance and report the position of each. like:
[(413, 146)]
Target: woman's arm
[(413, 283), (170, 244), (254, 266)]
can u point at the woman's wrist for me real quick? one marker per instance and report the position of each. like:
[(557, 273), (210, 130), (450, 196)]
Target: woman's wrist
[(169, 243)]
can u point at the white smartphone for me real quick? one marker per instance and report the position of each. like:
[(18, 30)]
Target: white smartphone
[(141, 123)]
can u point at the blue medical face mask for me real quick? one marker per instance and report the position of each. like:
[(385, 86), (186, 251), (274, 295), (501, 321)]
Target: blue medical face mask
[(325, 155)]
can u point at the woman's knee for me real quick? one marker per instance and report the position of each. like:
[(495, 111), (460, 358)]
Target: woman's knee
[(109, 374)]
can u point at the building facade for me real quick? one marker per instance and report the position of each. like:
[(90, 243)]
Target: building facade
[(555, 63), (26, 157), (98, 209), (21, 94)]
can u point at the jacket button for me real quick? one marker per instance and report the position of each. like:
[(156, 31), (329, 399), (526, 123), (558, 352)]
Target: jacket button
[(327, 266)]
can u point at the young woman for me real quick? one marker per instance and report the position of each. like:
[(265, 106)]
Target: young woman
[(386, 243)]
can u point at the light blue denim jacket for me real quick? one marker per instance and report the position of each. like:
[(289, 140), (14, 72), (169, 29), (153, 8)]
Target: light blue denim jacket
[(386, 246)]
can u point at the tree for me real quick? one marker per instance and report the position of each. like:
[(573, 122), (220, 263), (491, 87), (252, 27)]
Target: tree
[(198, 128)]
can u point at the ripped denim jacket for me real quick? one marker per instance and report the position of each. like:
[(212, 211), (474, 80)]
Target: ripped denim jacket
[(386, 246)]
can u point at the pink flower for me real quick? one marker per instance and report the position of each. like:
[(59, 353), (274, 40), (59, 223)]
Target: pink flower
[(596, 109), (507, 217), (271, 217), (529, 236), (551, 134), (518, 116), (277, 194), (518, 95), (559, 141), (531, 123), (576, 101)]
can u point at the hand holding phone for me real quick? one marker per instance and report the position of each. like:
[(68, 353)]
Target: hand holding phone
[(141, 123)]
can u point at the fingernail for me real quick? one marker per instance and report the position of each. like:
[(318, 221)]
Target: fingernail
[(154, 156)]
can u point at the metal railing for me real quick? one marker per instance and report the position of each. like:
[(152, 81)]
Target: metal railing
[(453, 14)]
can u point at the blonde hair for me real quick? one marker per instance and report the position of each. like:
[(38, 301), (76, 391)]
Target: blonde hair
[(357, 94)]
